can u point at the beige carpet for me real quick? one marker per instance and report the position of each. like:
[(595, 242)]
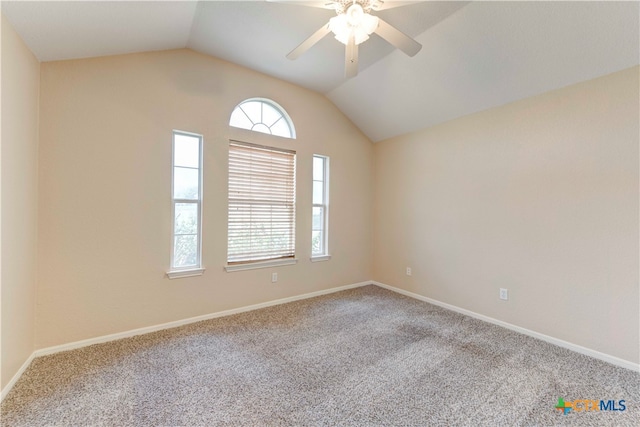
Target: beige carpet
[(361, 357)]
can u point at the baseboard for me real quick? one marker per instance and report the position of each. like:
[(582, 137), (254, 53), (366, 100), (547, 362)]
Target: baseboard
[(16, 377), (126, 334), (556, 341), (168, 325)]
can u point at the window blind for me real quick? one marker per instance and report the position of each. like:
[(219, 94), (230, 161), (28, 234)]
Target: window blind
[(261, 203)]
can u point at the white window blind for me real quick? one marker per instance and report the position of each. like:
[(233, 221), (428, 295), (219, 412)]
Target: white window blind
[(262, 192)]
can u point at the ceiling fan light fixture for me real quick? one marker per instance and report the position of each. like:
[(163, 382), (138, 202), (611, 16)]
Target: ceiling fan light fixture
[(369, 23), (354, 21), (352, 25), (354, 14)]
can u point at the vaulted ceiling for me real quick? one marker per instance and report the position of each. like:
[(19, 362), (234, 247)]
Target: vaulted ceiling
[(475, 55)]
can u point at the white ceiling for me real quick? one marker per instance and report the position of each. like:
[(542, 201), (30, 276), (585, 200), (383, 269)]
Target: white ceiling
[(474, 56), (489, 54)]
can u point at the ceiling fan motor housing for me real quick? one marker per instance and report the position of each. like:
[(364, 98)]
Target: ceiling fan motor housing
[(353, 20), (341, 6)]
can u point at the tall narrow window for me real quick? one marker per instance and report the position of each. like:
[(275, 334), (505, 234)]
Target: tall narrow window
[(187, 199), (262, 192), (320, 214)]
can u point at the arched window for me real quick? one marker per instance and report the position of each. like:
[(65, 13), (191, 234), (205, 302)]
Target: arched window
[(263, 115)]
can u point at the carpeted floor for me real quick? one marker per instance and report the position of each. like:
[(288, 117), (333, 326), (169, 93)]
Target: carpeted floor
[(361, 357)]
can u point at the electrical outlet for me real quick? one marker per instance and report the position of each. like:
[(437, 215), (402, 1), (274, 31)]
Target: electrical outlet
[(274, 277), (408, 271), (504, 294)]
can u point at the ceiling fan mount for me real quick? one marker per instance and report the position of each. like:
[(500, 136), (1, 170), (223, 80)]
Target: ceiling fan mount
[(352, 25)]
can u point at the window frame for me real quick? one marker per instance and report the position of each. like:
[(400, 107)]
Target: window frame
[(258, 262), (324, 256), (283, 113), (197, 269)]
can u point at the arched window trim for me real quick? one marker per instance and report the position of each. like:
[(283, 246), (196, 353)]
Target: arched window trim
[(283, 113)]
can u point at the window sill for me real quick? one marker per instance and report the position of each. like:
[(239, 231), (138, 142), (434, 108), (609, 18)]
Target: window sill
[(178, 274), (320, 258), (260, 264)]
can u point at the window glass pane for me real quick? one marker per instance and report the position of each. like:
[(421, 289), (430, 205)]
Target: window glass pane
[(317, 243), (186, 151), (269, 114), (185, 251), (261, 127), (240, 120), (318, 195), (187, 173), (319, 213), (186, 221), (185, 183), (281, 128), (253, 110), (318, 169), (318, 218)]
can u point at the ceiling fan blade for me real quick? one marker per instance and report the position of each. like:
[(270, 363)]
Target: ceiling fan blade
[(326, 4), (351, 58), (397, 38), (389, 4), (306, 45)]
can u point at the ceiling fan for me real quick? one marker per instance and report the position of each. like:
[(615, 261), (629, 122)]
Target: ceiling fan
[(352, 25)]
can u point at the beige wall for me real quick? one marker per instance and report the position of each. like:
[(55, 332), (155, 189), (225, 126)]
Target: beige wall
[(539, 196), (20, 87), (105, 179)]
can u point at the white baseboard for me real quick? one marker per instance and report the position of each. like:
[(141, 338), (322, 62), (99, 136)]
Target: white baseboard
[(16, 377), (168, 325), (176, 323), (556, 341), (126, 334)]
